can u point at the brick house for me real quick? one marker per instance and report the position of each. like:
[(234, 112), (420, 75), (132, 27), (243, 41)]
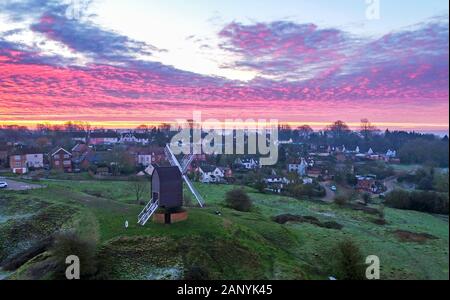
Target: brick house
[(103, 138), (21, 161), (61, 159)]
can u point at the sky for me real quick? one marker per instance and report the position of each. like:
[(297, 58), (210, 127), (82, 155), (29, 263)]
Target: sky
[(123, 63)]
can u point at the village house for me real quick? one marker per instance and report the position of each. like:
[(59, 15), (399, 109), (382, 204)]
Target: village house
[(21, 161), (103, 138), (211, 174), (79, 149), (142, 155), (391, 157), (368, 183), (276, 184), (298, 166), (61, 160), (157, 154), (247, 163), (134, 138), (79, 137), (79, 154), (144, 159), (307, 180), (227, 172), (314, 172)]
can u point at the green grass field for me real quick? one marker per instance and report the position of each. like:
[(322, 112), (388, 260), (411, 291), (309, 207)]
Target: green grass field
[(235, 245)]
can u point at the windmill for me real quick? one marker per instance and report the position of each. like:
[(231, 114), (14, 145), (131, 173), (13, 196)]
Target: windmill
[(172, 178)]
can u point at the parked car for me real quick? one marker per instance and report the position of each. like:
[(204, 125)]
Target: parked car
[(333, 188), (3, 185)]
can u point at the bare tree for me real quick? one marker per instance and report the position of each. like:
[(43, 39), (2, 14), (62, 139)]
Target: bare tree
[(139, 187), (367, 129), (338, 129), (305, 131)]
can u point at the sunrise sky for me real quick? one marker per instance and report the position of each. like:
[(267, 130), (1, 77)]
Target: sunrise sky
[(119, 63)]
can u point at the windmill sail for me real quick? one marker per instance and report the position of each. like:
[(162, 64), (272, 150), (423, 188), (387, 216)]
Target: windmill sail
[(186, 161)]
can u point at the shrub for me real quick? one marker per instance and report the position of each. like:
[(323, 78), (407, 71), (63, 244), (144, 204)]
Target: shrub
[(347, 261), (366, 198), (424, 201), (196, 273), (238, 200), (341, 200), (187, 200), (300, 191), (69, 243)]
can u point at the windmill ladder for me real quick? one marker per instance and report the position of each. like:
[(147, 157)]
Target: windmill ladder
[(147, 212)]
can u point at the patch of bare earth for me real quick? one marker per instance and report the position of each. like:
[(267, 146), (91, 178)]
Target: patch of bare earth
[(408, 236)]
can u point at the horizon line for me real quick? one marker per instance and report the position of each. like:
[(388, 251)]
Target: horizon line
[(317, 126)]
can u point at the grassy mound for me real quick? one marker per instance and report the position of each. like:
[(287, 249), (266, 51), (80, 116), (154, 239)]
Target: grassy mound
[(23, 238), (230, 245)]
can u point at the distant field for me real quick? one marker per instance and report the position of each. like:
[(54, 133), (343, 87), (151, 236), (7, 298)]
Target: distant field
[(234, 245), (405, 168)]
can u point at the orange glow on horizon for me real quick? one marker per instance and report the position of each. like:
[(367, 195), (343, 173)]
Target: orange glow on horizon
[(421, 127)]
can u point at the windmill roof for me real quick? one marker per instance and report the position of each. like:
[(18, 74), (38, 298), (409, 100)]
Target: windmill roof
[(168, 174)]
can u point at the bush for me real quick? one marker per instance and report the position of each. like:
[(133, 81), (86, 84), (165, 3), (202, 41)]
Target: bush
[(300, 191), (366, 198), (187, 200), (341, 200), (197, 273), (424, 201), (347, 261), (69, 243), (238, 200)]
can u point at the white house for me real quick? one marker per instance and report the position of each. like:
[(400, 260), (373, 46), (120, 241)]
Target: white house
[(248, 163), (276, 179), (276, 184), (210, 174), (35, 160), (134, 138), (299, 168), (144, 159), (307, 181), (391, 153)]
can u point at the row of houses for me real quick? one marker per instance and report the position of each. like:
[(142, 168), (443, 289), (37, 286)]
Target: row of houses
[(79, 158), (111, 138)]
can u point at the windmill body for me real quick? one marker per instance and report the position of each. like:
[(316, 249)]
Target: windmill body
[(167, 188)]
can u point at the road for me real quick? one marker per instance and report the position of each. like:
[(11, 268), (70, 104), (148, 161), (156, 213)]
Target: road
[(14, 185), (330, 195), (390, 183)]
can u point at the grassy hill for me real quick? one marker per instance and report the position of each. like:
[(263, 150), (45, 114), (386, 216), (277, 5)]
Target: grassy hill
[(233, 245)]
